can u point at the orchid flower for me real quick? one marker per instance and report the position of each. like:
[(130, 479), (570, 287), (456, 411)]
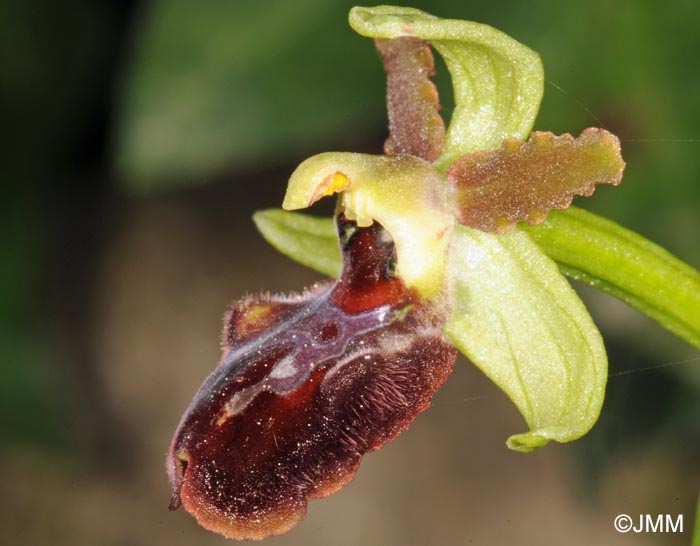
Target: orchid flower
[(449, 242)]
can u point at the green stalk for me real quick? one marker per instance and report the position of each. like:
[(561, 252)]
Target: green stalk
[(696, 528), (601, 253)]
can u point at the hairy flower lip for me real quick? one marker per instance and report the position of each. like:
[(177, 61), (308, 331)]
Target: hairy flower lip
[(176, 465), (305, 387)]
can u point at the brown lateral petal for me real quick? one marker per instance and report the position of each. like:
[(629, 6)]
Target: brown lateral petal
[(306, 385), (525, 180), (415, 126)]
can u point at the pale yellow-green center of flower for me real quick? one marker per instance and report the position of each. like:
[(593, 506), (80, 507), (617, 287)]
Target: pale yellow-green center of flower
[(404, 193)]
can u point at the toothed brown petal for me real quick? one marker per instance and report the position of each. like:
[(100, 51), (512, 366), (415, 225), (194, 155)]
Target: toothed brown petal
[(525, 180), (415, 126), (306, 386)]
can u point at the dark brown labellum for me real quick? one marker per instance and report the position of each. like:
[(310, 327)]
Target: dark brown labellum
[(307, 384)]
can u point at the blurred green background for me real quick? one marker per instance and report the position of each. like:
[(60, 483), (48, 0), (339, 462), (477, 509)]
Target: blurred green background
[(140, 136)]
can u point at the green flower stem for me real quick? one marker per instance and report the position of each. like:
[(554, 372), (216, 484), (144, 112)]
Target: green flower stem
[(601, 253), (696, 528)]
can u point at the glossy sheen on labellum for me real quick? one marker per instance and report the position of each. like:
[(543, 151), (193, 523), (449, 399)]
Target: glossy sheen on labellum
[(307, 384)]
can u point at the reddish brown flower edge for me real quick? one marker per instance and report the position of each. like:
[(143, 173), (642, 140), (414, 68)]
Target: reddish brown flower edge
[(307, 384)]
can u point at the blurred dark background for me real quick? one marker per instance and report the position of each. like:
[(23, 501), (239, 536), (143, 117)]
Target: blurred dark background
[(138, 139)]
